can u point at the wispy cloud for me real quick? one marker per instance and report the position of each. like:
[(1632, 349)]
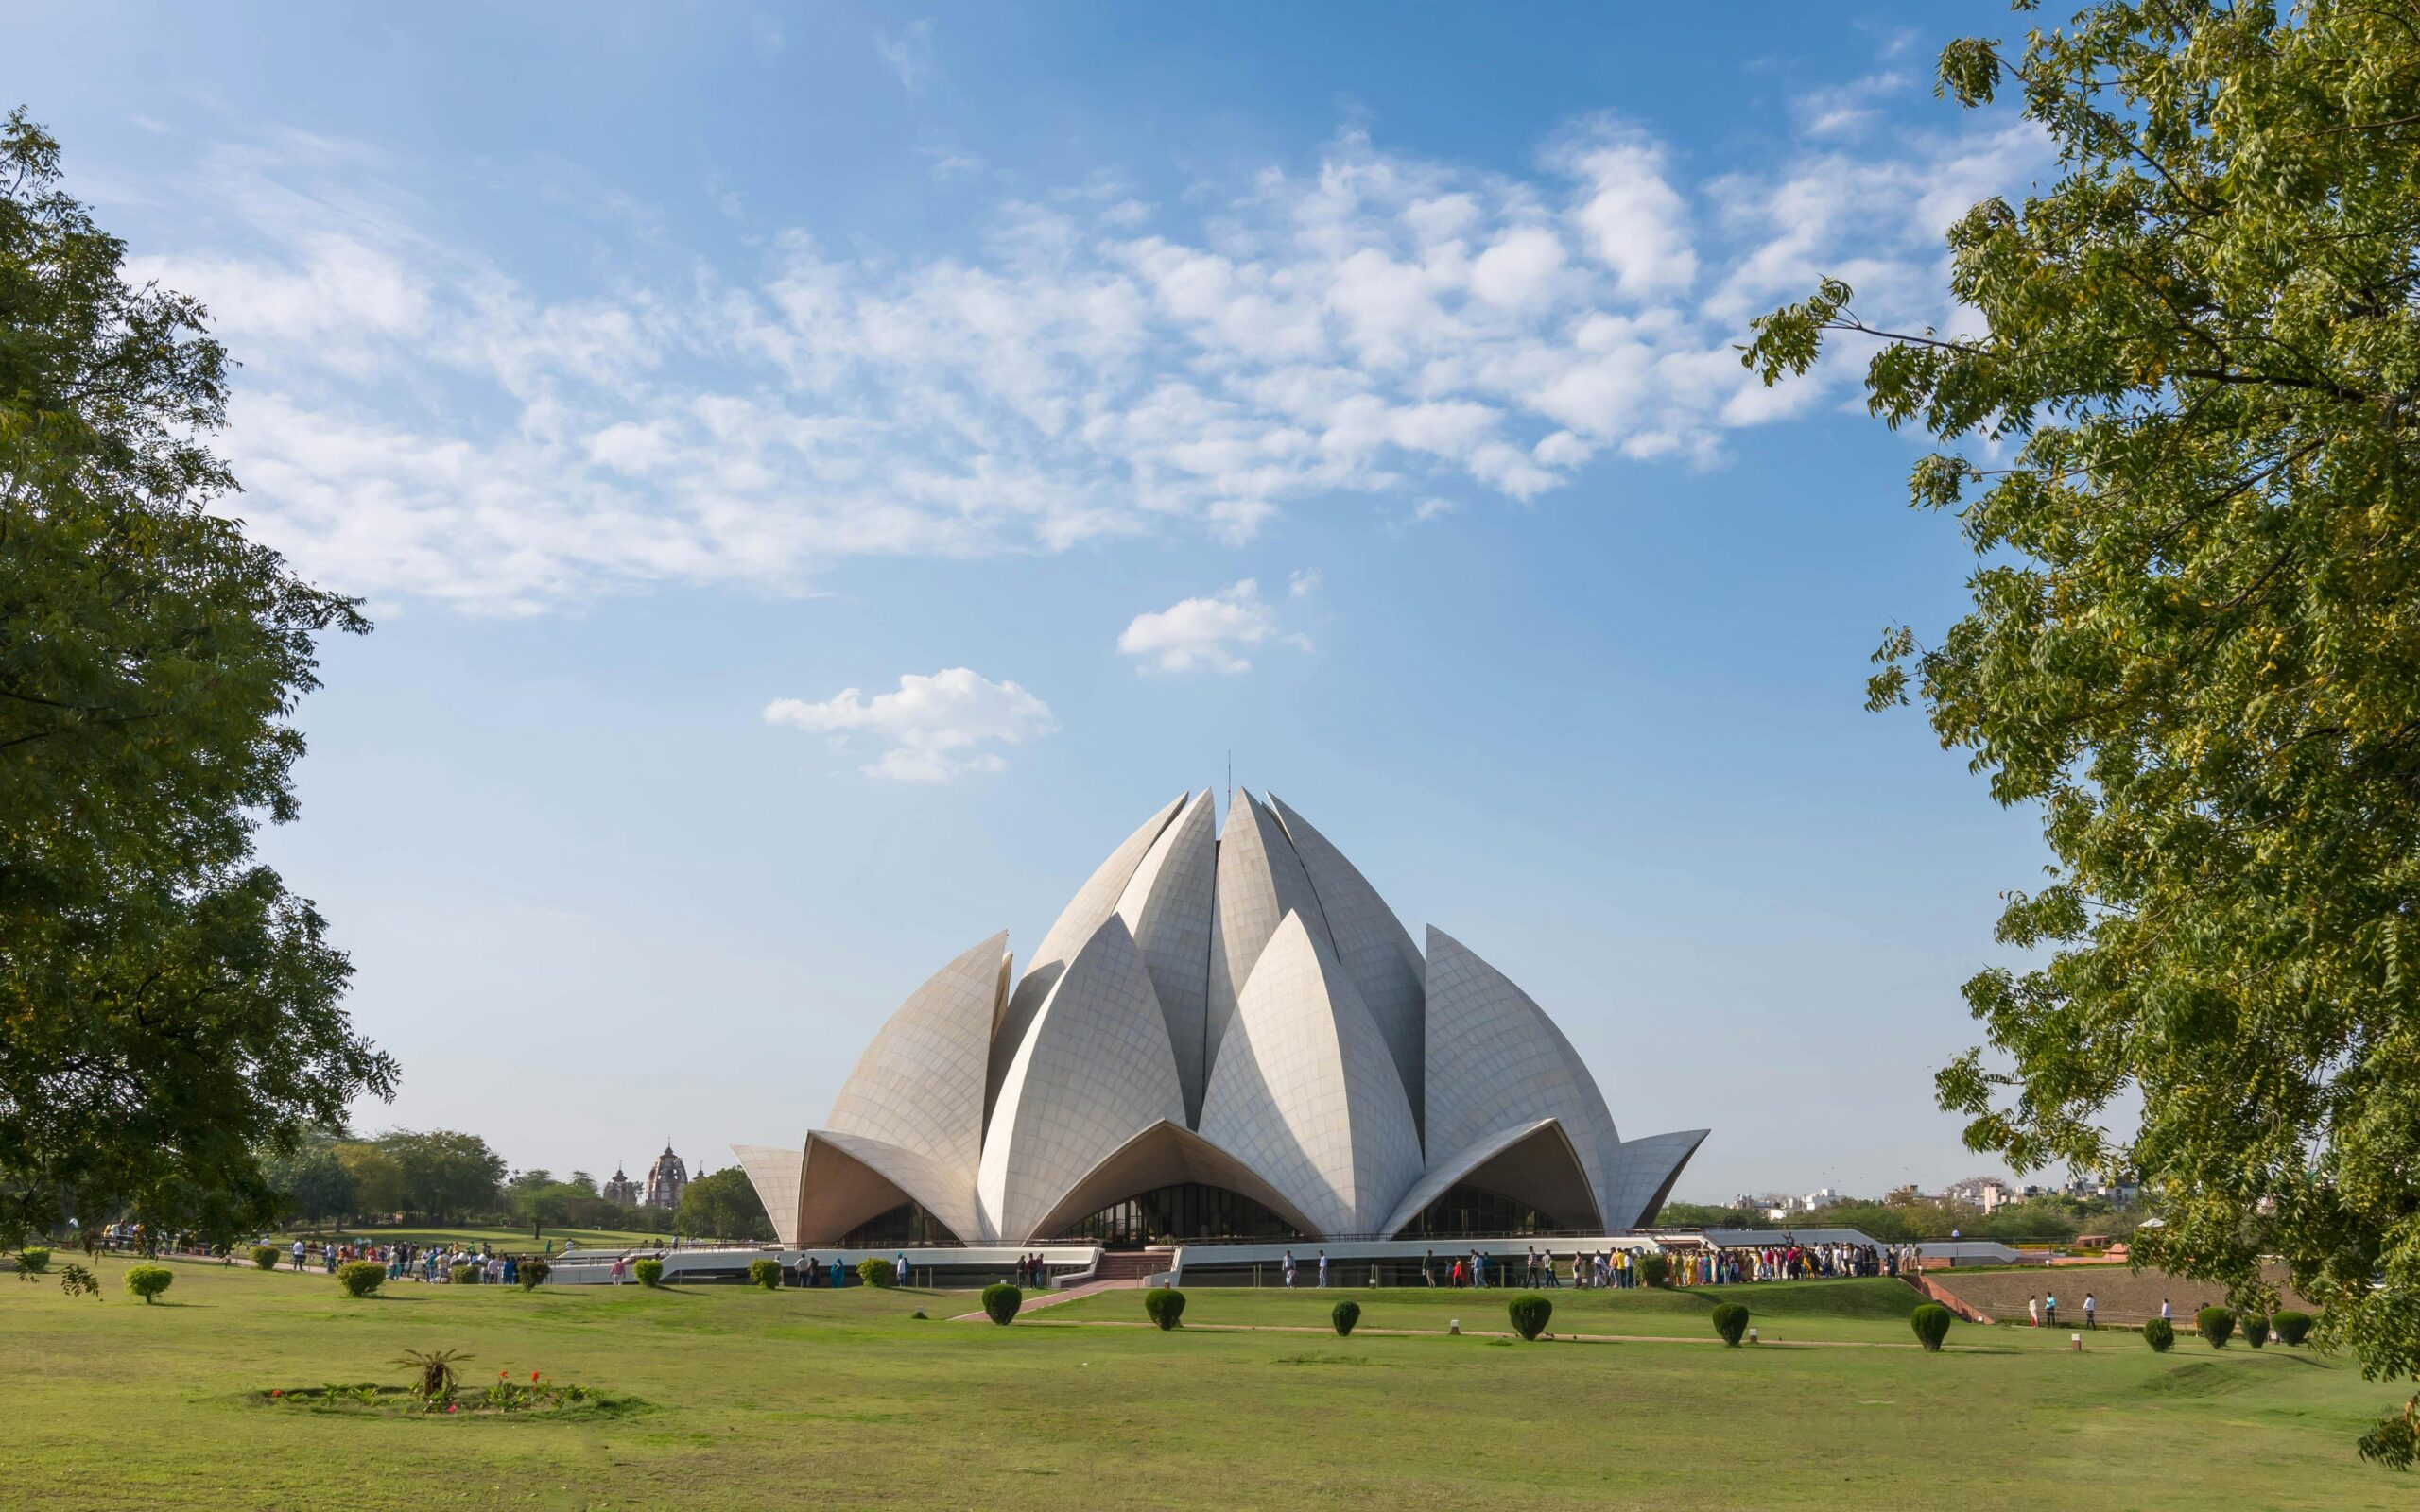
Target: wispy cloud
[(1212, 633), (929, 729), (415, 421), (910, 53)]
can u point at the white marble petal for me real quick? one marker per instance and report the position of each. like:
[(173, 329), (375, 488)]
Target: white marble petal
[(920, 1084), (1496, 1060), (1372, 943), (1168, 908), (1643, 1173), (849, 1178), (1305, 1092), (774, 1171), (1094, 1070), (1094, 902), (1533, 1163), (1260, 882)]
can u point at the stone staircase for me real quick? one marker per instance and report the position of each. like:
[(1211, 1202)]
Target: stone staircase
[(1127, 1267)]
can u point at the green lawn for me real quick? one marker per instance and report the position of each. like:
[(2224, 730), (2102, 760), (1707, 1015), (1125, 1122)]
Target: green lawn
[(814, 1398)]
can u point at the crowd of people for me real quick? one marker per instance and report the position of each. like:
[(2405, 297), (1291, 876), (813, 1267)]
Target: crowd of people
[(1791, 1261), (1618, 1267)]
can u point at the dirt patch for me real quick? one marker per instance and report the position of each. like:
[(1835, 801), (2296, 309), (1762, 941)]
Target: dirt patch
[(2119, 1295)]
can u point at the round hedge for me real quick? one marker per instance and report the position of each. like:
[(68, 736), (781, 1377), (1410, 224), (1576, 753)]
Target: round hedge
[(876, 1271), (148, 1281), (1654, 1270), (2290, 1327), (1166, 1305), (1731, 1321), (469, 1272), (265, 1256), (1001, 1301), (533, 1273), (650, 1272), (2217, 1325), (1343, 1315), (765, 1273), (360, 1277), (2255, 1329), (1529, 1313), (1931, 1322), (2160, 1335), (32, 1261)]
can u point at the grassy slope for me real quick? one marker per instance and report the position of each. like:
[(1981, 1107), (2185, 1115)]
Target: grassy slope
[(815, 1399)]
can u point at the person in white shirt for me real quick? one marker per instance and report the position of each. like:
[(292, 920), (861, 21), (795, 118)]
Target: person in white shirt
[(298, 1254), (2163, 1311), (2033, 1311), (1322, 1268), (1289, 1269)]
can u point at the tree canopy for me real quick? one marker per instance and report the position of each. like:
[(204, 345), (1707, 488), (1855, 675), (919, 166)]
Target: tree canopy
[(2180, 413), (167, 1010), (723, 1205)]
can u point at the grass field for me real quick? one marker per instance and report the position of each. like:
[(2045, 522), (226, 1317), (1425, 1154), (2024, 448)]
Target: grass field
[(815, 1399)]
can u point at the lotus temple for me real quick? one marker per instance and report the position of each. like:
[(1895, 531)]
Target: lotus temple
[(1227, 1039)]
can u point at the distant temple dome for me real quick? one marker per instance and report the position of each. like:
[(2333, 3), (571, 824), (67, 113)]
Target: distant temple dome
[(665, 1180), (1221, 1036)]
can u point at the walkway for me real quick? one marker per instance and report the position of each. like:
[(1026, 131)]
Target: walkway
[(1034, 1303), (1468, 1334)]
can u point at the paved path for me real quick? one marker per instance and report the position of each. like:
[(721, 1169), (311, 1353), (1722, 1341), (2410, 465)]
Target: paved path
[(1035, 1304)]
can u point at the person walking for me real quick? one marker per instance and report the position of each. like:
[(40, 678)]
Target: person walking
[(2087, 1312), (899, 1267), (1289, 1270), (2033, 1311), (1322, 1270), (2163, 1311), (2050, 1309), (617, 1270), (298, 1254), (1429, 1268)]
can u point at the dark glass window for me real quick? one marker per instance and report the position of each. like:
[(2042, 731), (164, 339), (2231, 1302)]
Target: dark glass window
[(1468, 1212), (1190, 1210), (907, 1224)]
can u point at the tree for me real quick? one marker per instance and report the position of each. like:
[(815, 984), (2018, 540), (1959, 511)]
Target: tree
[(446, 1175), (377, 1181), (2192, 644), (318, 1187), (722, 1205), (168, 1010)]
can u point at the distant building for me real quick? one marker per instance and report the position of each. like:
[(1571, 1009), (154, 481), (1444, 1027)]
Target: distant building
[(665, 1180), (621, 1191)]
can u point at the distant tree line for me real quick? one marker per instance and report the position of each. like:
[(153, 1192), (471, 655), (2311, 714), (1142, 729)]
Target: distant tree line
[(439, 1176), (1902, 1219)]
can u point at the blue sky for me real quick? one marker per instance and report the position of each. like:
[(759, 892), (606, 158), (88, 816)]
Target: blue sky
[(824, 474)]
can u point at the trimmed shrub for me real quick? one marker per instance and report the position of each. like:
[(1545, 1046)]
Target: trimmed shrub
[(2290, 1327), (359, 1278), (876, 1271), (2160, 1335), (1001, 1301), (1529, 1313), (148, 1281), (1654, 1270), (534, 1273), (1931, 1323), (650, 1272), (2255, 1329), (1731, 1321), (1342, 1317), (265, 1256), (1166, 1305), (765, 1273), (466, 1274), (31, 1262), (2217, 1325)]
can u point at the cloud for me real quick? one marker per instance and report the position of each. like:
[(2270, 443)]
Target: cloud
[(910, 53), (417, 421), (1209, 634), (1845, 109), (931, 730)]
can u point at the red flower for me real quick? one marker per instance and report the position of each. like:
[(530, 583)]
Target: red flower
[(451, 1407), (533, 1375), (500, 1375), (274, 1392)]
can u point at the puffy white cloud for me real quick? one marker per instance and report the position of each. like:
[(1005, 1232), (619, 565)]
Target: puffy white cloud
[(414, 420), (931, 729), (1210, 634), (910, 52)]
